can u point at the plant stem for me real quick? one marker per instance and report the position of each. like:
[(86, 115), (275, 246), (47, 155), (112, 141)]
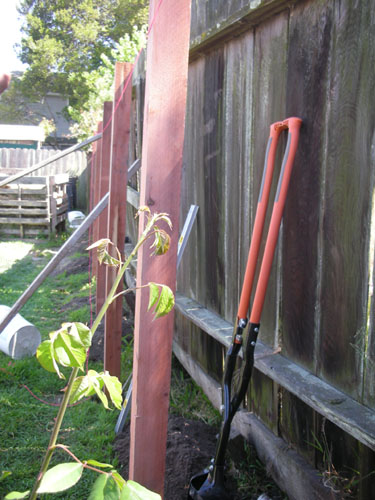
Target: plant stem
[(55, 432), (119, 276), (73, 375)]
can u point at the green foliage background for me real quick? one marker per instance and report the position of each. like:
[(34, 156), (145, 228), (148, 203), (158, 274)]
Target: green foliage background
[(70, 47)]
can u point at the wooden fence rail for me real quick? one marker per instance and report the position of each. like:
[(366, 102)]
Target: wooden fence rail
[(253, 63)]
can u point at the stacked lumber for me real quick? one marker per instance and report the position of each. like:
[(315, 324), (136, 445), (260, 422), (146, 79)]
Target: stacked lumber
[(33, 206)]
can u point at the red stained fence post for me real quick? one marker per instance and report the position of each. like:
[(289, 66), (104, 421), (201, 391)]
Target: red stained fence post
[(117, 211), (95, 192), (163, 136), (103, 181)]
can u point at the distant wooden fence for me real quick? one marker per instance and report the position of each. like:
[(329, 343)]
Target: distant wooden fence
[(251, 66), (33, 205), (74, 164)]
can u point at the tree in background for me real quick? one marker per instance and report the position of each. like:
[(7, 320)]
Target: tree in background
[(100, 84), (71, 47)]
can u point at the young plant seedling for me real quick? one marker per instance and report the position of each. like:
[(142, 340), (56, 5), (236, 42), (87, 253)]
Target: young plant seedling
[(68, 348)]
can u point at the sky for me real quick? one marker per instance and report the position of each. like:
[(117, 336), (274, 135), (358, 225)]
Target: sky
[(9, 35)]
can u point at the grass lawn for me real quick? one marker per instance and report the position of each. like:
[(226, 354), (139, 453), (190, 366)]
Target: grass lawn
[(26, 422)]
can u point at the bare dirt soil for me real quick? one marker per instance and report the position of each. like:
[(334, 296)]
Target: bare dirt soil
[(190, 443)]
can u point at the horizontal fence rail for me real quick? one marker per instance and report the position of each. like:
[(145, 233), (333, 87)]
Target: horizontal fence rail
[(50, 160)]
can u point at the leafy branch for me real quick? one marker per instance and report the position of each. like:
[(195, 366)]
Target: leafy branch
[(68, 348)]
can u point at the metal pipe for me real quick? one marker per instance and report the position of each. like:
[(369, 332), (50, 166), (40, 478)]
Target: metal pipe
[(52, 264), (56, 157)]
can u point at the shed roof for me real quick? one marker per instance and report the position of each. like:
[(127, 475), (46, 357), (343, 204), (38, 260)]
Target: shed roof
[(21, 133)]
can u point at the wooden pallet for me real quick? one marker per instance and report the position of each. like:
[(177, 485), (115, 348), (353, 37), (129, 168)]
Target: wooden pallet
[(33, 205)]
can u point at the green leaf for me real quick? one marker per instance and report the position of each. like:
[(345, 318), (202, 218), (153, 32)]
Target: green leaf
[(94, 463), (80, 388), (45, 356), (119, 479), (96, 382), (4, 474), (61, 477), (68, 351), (162, 241), (103, 243), (98, 487), (163, 216), (114, 388), (134, 491), (16, 495), (154, 295), (105, 488), (163, 297), (81, 333), (103, 254), (110, 261), (101, 246), (111, 490)]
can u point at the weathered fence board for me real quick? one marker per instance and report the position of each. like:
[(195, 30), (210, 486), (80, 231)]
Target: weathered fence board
[(348, 181), (308, 76), (237, 180), (252, 63), (73, 164), (369, 379), (269, 105)]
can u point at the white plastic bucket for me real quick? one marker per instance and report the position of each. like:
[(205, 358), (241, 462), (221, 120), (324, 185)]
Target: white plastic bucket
[(19, 338), (75, 218)]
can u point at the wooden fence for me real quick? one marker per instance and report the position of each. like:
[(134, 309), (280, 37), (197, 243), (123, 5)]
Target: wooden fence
[(313, 389), (251, 64), (34, 205), (74, 164)]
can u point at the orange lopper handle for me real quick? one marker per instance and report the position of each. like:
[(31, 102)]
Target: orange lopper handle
[(294, 125)]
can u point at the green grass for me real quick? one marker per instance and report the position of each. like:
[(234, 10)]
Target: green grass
[(56, 291), (26, 422), (188, 400), (88, 429)]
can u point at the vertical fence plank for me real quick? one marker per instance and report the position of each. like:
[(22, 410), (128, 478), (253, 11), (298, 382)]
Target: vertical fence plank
[(103, 185), (117, 212), (367, 93), (212, 207), (310, 33), (369, 378), (192, 185), (349, 181), (97, 153), (165, 101), (268, 97), (269, 94), (236, 181)]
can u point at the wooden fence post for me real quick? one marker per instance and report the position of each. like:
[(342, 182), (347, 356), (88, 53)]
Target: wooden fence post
[(95, 176), (103, 183), (117, 211), (163, 136)]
